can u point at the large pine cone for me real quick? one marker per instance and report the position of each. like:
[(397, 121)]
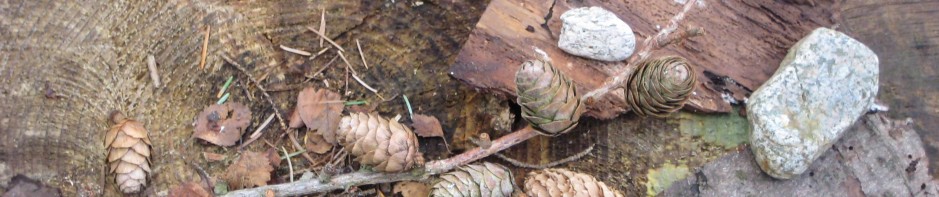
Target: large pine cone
[(486, 179), (549, 100), (387, 146), (128, 146), (561, 182), (660, 86)]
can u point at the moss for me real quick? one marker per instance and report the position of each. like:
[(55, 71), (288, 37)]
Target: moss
[(661, 178), (725, 130)]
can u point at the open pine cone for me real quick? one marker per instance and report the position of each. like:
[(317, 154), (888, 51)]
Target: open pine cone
[(660, 86), (561, 182), (128, 153), (485, 179), (387, 146), (549, 100)]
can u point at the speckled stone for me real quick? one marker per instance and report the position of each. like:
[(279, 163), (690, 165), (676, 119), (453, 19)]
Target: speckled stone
[(823, 85), (595, 33)]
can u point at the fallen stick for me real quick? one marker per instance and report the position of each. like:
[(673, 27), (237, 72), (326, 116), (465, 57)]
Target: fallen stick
[(642, 54), (342, 181)]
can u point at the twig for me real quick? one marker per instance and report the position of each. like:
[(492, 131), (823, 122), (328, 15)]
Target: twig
[(154, 73), (326, 38), (304, 187), (296, 144), (323, 26), (283, 124), (204, 176), (677, 37), (257, 132), (289, 163), (205, 47), (547, 165), (643, 53), (362, 55), (295, 51)]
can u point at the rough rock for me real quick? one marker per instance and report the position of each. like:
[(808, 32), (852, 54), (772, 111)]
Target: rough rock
[(823, 85), (877, 157), (596, 33)]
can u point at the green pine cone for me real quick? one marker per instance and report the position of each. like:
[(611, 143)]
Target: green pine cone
[(549, 100), (660, 86), (486, 179)]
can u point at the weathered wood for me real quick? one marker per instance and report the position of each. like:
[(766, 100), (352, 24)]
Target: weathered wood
[(744, 43), (876, 157)]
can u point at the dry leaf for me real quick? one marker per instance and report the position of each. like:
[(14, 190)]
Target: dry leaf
[(320, 109), (412, 189), (224, 124), (213, 156), (190, 189), (316, 143), (427, 126), (295, 121), (250, 170), (273, 156)]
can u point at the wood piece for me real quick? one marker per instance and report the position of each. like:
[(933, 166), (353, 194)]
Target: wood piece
[(745, 42), (877, 156)]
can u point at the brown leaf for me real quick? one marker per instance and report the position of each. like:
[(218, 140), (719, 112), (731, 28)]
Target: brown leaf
[(250, 170), (190, 189), (412, 189), (213, 156), (427, 126), (316, 143), (233, 117), (273, 157), (320, 109)]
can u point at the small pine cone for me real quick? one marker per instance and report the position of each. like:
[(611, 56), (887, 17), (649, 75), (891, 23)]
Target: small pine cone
[(387, 146), (549, 100), (561, 182), (486, 179), (660, 86), (128, 147)]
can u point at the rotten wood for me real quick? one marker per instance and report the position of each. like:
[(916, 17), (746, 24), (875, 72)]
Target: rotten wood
[(745, 42)]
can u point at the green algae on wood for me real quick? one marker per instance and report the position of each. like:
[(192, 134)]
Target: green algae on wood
[(661, 178), (725, 130)]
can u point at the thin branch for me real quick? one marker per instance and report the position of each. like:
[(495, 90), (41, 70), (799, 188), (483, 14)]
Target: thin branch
[(342, 181), (619, 78)]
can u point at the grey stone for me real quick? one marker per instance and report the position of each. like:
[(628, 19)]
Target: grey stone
[(597, 34), (823, 85)]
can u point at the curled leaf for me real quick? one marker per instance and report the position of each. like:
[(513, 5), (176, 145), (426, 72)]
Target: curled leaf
[(427, 126), (250, 170), (223, 124)]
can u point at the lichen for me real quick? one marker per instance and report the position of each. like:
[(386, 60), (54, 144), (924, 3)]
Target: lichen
[(661, 178)]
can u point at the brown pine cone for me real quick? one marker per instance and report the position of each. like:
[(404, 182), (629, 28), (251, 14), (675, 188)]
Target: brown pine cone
[(549, 100), (485, 179), (660, 86), (128, 146), (561, 182), (387, 146)]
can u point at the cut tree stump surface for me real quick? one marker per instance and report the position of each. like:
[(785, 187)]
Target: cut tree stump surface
[(742, 47), (876, 157)]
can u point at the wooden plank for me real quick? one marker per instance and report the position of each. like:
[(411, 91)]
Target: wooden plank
[(744, 43)]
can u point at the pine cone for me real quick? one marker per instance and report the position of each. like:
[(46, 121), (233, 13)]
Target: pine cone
[(660, 86), (388, 146), (128, 153), (549, 100), (486, 179), (561, 182)]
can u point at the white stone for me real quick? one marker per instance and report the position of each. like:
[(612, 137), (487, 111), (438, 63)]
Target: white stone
[(820, 89), (596, 33)]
